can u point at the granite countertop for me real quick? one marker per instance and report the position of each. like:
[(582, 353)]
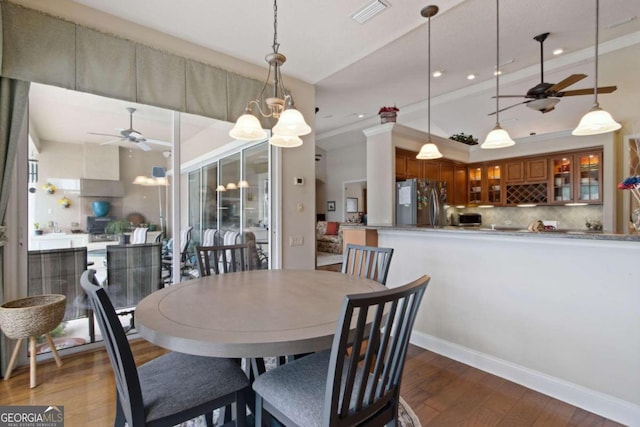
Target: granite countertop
[(510, 231)]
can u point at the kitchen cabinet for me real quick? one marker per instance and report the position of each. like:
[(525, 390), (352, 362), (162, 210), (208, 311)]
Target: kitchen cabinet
[(407, 166), (576, 177), (359, 236), (58, 241), (455, 174), (525, 171), (485, 185)]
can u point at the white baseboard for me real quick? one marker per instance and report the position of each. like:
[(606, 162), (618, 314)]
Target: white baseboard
[(599, 403)]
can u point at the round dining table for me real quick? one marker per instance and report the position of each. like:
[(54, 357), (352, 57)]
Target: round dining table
[(251, 314)]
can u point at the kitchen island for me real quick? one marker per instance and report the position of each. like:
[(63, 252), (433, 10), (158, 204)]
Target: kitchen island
[(555, 312)]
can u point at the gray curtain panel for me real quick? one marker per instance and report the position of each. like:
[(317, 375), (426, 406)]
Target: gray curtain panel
[(14, 99), (160, 78), (206, 90)]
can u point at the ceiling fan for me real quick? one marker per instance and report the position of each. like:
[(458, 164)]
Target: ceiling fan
[(133, 135), (544, 96)]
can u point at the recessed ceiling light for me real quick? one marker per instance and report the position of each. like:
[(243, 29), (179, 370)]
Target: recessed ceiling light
[(437, 73), (558, 51), (497, 73), (360, 116), (471, 76)]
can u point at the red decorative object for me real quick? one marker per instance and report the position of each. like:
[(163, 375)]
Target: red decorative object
[(332, 229), (388, 114)]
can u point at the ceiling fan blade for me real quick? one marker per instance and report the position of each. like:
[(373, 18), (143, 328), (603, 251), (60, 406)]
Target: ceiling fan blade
[(510, 106), (141, 145), (158, 142), (573, 78), (510, 96), (604, 89), (104, 134)]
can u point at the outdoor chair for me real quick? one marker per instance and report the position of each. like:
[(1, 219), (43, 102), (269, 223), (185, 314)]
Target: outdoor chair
[(170, 389), (139, 235), (331, 388)]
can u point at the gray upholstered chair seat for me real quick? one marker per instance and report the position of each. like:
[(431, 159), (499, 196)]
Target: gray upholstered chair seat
[(298, 388), (167, 390)]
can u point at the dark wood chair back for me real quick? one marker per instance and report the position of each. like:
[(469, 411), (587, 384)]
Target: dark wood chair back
[(369, 390), (58, 271), (224, 258), (367, 261), (115, 339)]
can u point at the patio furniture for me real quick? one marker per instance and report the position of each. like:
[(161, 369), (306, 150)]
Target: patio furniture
[(139, 235), (58, 271), (331, 388), (29, 318), (170, 389), (133, 272), (167, 258)]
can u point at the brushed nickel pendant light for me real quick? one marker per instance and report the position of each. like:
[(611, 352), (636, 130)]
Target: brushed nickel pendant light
[(429, 150), (596, 120), (498, 137)]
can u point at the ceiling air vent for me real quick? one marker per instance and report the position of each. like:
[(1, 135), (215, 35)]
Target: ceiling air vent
[(369, 10)]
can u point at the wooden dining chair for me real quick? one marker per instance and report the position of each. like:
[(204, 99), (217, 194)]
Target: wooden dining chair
[(331, 388), (224, 258), (170, 389), (367, 261)]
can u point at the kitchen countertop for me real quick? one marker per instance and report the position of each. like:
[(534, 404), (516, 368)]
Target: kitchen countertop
[(507, 231)]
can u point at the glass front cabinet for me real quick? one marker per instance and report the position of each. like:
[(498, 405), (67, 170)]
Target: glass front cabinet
[(485, 184), (577, 178)]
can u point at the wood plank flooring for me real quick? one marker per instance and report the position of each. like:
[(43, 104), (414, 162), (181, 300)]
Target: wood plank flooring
[(442, 392)]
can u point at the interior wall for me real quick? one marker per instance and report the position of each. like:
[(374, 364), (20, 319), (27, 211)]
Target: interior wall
[(343, 165)]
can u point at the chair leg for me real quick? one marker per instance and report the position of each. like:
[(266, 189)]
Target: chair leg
[(14, 358), (120, 418), (258, 412), (208, 419), (241, 408), (52, 346)]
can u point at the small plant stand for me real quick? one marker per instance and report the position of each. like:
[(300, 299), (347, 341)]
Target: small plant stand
[(29, 318)]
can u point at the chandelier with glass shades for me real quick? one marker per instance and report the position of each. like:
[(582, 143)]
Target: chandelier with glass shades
[(291, 124)]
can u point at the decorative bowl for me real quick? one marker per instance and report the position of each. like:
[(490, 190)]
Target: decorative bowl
[(100, 207)]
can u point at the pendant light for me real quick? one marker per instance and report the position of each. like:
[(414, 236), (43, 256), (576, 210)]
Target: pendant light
[(597, 120), (429, 150), (498, 137), (291, 123)]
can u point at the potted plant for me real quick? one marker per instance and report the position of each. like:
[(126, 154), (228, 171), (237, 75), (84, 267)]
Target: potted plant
[(49, 188), (118, 227), (65, 202), (388, 114), (465, 139), (36, 227)]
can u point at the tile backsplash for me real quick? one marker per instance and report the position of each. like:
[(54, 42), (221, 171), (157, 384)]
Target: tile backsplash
[(568, 217)]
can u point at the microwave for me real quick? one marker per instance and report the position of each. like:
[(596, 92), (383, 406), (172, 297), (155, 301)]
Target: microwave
[(469, 219)]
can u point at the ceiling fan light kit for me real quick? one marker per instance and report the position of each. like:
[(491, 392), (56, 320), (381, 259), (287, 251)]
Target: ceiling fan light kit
[(280, 106), (429, 151), (498, 137), (597, 120)]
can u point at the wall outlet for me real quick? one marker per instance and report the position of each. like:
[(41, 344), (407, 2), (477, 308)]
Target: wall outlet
[(296, 240)]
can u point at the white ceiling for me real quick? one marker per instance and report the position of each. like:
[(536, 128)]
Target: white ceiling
[(359, 68)]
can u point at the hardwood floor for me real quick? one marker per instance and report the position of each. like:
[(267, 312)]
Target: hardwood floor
[(442, 392)]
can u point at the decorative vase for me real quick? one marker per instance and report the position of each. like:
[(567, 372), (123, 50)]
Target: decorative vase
[(388, 117), (100, 208)]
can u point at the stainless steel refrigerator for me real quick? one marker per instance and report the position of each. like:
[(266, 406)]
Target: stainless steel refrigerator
[(421, 202)]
